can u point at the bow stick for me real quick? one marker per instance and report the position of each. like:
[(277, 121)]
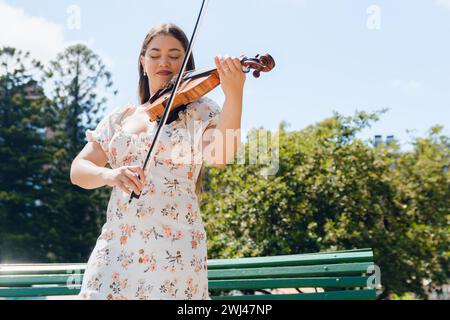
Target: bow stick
[(165, 115)]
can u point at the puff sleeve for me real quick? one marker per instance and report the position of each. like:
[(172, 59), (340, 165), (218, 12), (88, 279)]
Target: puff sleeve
[(105, 129), (206, 113)]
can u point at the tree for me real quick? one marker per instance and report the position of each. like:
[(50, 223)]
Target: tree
[(24, 117), (335, 192), (80, 87), (421, 180)]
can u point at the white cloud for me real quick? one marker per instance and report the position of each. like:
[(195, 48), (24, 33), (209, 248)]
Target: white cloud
[(406, 85), (443, 3), (44, 39)]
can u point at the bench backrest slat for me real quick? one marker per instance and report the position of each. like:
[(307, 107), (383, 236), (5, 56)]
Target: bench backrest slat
[(295, 282), (320, 270), (343, 272), (332, 295), (322, 282), (292, 260)]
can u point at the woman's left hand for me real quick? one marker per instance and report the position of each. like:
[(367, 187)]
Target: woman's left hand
[(232, 78)]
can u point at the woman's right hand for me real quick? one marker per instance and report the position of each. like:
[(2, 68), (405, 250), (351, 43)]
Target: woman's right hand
[(127, 178)]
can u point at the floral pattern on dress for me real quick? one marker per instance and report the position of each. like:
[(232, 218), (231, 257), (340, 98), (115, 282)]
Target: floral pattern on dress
[(148, 235), (127, 231), (192, 215), (148, 261), (153, 248), (144, 210), (125, 258), (174, 261), (102, 257), (143, 290), (191, 288), (171, 211), (170, 287)]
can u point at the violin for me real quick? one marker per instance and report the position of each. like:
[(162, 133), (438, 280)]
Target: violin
[(190, 86), (197, 83)]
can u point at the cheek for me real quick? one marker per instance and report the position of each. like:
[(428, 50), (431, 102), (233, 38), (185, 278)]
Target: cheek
[(177, 65), (153, 66)]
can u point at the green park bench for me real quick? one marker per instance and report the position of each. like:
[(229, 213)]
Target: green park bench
[(339, 275)]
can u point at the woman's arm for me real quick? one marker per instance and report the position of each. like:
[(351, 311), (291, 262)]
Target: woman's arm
[(222, 145), (232, 80), (88, 169)]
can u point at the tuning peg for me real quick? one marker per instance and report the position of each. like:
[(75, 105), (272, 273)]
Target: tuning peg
[(246, 69)]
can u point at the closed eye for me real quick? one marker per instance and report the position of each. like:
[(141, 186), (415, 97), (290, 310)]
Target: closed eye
[(174, 58)]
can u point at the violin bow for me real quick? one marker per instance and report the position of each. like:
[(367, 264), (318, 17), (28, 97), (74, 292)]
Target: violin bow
[(165, 115)]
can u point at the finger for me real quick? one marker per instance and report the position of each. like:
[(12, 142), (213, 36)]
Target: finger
[(237, 63), (124, 188), (140, 172), (142, 175), (230, 64), (219, 66), (128, 181), (220, 63), (135, 179), (226, 64)]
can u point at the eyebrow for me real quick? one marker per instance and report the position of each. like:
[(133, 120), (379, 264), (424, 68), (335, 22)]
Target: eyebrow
[(156, 49)]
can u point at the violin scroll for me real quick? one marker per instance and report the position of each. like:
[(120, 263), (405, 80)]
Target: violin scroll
[(264, 63)]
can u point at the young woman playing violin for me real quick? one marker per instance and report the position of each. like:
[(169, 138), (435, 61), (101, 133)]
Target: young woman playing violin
[(155, 247)]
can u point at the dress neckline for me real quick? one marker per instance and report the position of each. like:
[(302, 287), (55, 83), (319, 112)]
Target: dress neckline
[(149, 130), (123, 116)]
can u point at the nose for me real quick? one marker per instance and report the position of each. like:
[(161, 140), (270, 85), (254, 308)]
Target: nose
[(164, 61)]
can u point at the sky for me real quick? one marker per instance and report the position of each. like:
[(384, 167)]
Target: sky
[(331, 55)]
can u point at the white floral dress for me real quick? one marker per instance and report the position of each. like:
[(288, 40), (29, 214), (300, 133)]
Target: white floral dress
[(155, 247)]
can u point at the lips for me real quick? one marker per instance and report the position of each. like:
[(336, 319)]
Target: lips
[(164, 72)]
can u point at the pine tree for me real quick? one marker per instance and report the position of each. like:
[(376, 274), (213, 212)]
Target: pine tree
[(81, 83), (24, 116)]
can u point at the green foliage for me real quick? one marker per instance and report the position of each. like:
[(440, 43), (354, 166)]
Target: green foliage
[(406, 296), (43, 217), (334, 192), (76, 215), (23, 155)]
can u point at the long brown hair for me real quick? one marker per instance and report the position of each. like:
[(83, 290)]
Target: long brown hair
[(166, 29)]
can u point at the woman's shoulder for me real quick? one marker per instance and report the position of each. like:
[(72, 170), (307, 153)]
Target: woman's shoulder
[(118, 112), (124, 108)]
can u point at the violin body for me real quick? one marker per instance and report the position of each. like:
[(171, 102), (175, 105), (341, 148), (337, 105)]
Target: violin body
[(196, 84), (190, 90)]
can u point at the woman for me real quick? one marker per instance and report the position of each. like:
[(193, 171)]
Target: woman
[(155, 246)]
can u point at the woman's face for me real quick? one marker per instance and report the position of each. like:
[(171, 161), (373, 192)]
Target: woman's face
[(162, 61)]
